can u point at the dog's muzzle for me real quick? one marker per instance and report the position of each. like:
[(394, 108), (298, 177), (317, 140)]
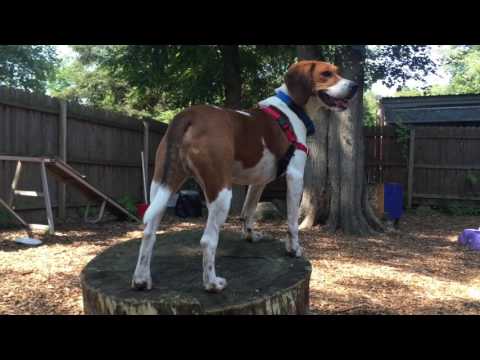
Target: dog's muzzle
[(339, 96)]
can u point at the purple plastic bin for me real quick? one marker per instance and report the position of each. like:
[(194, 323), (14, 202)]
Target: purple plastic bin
[(470, 238)]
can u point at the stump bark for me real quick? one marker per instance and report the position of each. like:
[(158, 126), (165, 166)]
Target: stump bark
[(262, 279)]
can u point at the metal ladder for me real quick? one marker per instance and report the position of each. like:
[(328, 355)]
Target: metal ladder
[(64, 173), (46, 196), (31, 193)]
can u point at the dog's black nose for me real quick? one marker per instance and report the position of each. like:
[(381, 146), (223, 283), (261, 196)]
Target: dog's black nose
[(353, 90)]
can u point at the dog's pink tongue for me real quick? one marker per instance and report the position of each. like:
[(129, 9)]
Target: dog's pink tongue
[(340, 103)]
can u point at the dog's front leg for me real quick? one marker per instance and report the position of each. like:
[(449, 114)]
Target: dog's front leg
[(294, 196)]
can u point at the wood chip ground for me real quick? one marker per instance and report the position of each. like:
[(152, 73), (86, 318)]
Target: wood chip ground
[(421, 270)]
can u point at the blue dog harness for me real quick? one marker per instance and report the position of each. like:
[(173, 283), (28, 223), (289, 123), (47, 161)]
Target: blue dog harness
[(298, 111)]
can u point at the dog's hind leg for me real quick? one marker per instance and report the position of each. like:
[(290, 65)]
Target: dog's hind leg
[(211, 164), (248, 211), (217, 214), (160, 193), (218, 193)]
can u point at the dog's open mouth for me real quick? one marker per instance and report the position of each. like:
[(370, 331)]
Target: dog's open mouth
[(333, 102)]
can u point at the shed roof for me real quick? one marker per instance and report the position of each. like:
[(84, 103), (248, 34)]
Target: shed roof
[(432, 109)]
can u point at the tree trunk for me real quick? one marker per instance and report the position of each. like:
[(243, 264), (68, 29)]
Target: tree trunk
[(231, 76), (233, 91), (309, 52), (315, 199), (339, 147)]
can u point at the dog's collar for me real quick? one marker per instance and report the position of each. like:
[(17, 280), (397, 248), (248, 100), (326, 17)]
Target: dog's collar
[(297, 110)]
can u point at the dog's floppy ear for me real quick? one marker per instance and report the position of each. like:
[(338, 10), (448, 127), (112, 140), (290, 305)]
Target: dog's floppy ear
[(299, 81)]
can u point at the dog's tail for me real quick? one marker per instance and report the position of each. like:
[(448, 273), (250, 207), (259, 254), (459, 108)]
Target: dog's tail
[(169, 173)]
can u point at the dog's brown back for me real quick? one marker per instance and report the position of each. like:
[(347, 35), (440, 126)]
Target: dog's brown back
[(203, 141)]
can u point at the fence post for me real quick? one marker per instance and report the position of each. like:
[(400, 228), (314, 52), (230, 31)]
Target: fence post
[(146, 151), (411, 167), (62, 142)]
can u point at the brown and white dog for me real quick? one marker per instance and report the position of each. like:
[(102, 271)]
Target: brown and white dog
[(220, 147)]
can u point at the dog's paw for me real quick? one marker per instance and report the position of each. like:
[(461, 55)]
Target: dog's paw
[(216, 286), (254, 236), (294, 252), (142, 283)]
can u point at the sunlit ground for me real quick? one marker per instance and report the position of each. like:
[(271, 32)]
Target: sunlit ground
[(421, 271)]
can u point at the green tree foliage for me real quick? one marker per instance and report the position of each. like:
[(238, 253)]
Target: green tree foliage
[(91, 85), (395, 64), (27, 67), (463, 64), (370, 108), (410, 92), (158, 80), (431, 90), (265, 68)]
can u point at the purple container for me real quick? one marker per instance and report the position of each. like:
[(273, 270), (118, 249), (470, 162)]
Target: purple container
[(470, 238)]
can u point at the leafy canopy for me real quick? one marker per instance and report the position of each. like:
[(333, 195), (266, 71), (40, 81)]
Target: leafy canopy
[(462, 63), (151, 80), (27, 67)]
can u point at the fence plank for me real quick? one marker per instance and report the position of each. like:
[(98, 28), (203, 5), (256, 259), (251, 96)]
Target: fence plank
[(411, 162), (62, 140), (105, 146)]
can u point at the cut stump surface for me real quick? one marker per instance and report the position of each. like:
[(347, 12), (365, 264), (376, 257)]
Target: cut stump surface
[(261, 278)]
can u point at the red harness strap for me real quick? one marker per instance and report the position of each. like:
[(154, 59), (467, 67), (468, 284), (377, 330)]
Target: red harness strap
[(287, 129)]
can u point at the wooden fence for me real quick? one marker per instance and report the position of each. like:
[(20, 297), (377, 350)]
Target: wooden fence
[(434, 163), (386, 156), (104, 146), (445, 163)]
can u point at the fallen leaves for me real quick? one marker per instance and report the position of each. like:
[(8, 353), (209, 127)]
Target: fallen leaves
[(422, 270)]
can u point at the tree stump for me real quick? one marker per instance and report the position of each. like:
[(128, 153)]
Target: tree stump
[(262, 278)]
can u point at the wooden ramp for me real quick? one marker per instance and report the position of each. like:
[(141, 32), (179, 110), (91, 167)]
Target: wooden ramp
[(64, 173)]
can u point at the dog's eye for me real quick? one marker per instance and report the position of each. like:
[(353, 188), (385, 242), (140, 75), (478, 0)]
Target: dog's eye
[(327, 74)]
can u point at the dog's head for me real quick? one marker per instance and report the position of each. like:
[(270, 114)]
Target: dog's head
[(305, 79)]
